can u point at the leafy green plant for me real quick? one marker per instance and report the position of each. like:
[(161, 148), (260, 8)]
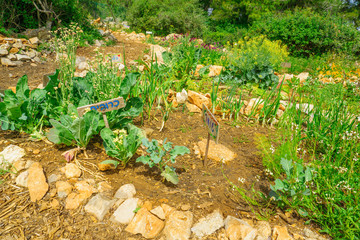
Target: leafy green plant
[(122, 144), (23, 110), (160, 155), (74, 130), (295, 186)]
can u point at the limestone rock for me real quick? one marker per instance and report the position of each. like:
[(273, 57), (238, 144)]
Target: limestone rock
[(3, 52), (74, 200), (237, 229), (178, 225), (37, 182), (217, 152), (11, 57), (181, 97), (85, 188), (263, 229), (11, 154), (18, 45), (254, 105), (167, 209), (53, 178), (197, 70), (146, 224), (311, 234), (83, 66), (22, 57), (303, 76), (105, 189), (98, 206), (198, 99), (281, 233), (18, 166), (215, 70), (63, 189), (71, 170), (125, 212), (7, 62), (22, 179), (34, 40), (159, 212), (157, 51), (192, 108), (126, 191), (208, 225)]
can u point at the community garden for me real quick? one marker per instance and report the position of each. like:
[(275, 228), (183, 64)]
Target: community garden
[(288, 144)]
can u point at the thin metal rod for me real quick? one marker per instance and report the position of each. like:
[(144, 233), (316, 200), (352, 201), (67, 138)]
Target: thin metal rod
[(105, 120)]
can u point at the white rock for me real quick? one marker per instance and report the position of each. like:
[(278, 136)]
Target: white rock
[(208, 225), (12, 57), (7, 62), (238, 229), (21, 180), (34, 40), (99, 206), (37, 59), (53, 178), (83, 66), (159, 212), (11, 154), (97, 43), (28, 164), (178, 225), (125, 212), (31, 53), (125, 191), (22, 57), (181, 97), (18, 45), (3, 52)]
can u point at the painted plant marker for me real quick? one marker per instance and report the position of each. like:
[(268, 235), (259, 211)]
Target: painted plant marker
[(103, 107), (213, 129), (116, 58)]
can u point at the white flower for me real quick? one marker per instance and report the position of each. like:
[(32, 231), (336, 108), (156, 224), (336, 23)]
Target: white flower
[(242, 180)]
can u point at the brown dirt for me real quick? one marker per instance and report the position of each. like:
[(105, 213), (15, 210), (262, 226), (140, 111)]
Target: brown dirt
[(204, 188)]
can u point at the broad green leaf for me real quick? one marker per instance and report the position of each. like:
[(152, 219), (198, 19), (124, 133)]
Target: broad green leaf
[(60, 136), (279, 185), (308, 175), (127, 83), (170, 175), (38, 95), (22, 88), (286, 165)]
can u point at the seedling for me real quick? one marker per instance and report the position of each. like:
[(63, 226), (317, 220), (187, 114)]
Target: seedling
[(160, 155)]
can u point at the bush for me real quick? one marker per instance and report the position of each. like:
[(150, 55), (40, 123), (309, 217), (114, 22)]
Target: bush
[(223, 32), (254, 60), (164, 17), (306, 33)]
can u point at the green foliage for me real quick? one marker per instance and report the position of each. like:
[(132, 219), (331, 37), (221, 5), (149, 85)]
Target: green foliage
[(164, 17), (22, 110), (160, 155), (254, 60), (306, 32), (74, 130), (296, 184), (322, 133), (122, 144), (187, 53)]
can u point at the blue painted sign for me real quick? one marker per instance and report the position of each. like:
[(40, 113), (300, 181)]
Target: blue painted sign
[(211, 122), (103, 107)]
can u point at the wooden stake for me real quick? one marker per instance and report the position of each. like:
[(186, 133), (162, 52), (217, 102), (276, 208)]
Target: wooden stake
[(105, 120), (207, 150)]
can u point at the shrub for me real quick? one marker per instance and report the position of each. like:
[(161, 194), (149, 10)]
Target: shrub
[(306, 32), (164, 17)]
